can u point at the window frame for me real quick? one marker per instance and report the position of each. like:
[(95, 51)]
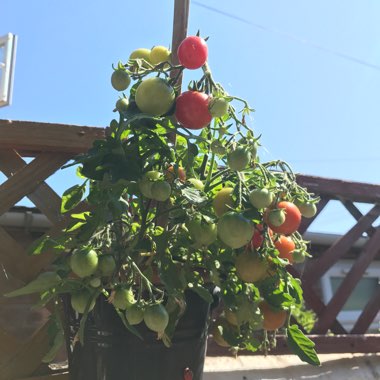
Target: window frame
[(348, 318)]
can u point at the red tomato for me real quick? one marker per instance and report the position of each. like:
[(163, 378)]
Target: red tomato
[(292, 219), (285, 245), (192, 110), (258, 236), (192, 52)]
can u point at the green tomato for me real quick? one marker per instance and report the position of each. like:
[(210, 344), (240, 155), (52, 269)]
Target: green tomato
[(218, 107), (276, 217), (84, 262), (197, 183), (141, 53), (134, 315), (159, 54), (202, 232), (107, 265), (120, 80), (298, 256), (122, 105), (80, 300), (156, 317), (161, 191), (154, 96), (308, 209), (234, 230), (238, 159), (123, 298), (95, 282), (223, 201), (261, 198), (146, 182), (217, 147)]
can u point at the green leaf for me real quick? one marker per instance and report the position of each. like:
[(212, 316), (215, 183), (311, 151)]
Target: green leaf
[(43, 282), (193, 195), (302, 346), (54, 349), (45, 243), (71, 197)]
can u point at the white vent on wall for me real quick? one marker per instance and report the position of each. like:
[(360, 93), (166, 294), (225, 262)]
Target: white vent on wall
[(7, 65)]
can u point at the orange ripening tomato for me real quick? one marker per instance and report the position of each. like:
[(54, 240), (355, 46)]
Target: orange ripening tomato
[(173, 173), (292, 218), (285, 245), (273, 319)]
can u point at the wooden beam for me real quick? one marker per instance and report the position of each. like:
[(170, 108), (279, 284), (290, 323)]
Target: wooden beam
[(28, 179), (348, 284), (341, 246), (44, 197), (338, 189), (368, 314), (324, 344), (45, 137)]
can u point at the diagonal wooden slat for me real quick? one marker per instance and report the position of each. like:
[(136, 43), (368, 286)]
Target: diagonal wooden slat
[(348, 284), (28, 357), (368, 315), (13, 258), (355, 212), (341, 246), (44, 197), (27, 179)]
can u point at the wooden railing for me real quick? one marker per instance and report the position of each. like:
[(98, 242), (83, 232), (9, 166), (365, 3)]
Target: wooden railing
[(52, 145)]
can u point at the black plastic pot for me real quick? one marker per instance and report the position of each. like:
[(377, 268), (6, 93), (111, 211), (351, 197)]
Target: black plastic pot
[(111, 352)]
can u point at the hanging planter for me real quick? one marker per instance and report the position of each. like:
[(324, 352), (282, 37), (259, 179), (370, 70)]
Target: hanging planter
[(168, 219)]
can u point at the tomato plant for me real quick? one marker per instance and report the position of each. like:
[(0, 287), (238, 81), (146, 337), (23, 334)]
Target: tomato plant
[(192, 52), (192, 110), (166, 216)]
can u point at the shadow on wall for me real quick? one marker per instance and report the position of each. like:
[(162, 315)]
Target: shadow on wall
[(337, 367)]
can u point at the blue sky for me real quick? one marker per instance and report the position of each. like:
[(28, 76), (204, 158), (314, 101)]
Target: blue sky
[(315, 108)]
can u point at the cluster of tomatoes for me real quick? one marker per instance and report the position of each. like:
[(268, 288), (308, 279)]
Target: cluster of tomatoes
[(156, 96)]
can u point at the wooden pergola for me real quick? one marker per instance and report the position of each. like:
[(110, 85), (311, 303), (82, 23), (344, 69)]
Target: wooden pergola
[(53, 145)]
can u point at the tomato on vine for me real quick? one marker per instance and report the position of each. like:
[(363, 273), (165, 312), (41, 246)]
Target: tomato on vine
[(292, 218), (192, 110), (192, 52), (285, 246), (154, 96), (238, 159), (235, 230)]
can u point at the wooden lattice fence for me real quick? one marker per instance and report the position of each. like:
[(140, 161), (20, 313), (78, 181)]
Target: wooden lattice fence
[(53, 145)]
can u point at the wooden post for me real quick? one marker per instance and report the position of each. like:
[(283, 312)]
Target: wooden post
[(180, 23)]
